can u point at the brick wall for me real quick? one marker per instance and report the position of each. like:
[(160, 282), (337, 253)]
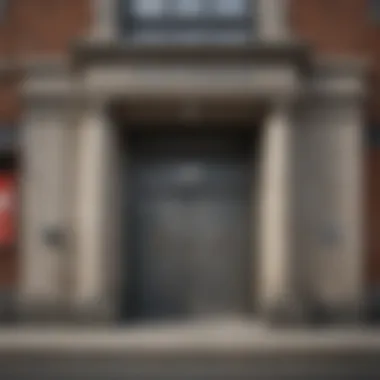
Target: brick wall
[(344, 27), (47, 26), (36, 27)]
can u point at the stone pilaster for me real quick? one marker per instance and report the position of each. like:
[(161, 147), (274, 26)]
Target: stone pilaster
[(272, 17), (94, 250), (105, 19), (277, 293), (45, 231), (328, 161)]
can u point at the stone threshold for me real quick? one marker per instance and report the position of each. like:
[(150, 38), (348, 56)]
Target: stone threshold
[(209, 338)]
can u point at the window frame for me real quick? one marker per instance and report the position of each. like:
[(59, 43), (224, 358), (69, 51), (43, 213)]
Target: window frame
[(130, 26)]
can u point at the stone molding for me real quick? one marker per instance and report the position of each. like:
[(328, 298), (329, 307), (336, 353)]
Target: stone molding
[(50, 81), (56, 80), (338, 76), (59, 77), (88, 51)]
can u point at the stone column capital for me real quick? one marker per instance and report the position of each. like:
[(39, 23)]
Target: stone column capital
[(105, 19), (273, 19)]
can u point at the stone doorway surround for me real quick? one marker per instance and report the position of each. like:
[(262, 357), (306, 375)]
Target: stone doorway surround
[(310, 207)]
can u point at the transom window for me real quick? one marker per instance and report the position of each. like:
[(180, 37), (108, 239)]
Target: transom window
[(192, 21)]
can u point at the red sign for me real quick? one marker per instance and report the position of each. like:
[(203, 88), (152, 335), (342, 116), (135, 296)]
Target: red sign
[(7, 209)]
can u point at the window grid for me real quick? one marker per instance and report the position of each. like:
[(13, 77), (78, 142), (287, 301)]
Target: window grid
[(169, 19)]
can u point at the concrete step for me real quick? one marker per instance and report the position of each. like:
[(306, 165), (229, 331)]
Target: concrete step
[(202, 351), (195, 367)]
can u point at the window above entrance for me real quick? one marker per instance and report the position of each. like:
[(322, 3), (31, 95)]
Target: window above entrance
[(187, 21)]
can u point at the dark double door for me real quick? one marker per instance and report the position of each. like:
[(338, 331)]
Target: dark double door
[(189, 221)]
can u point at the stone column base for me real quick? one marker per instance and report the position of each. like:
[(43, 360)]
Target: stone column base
[(340, 315), (95, 313), (54, 313), (286, 312), (43, 313)]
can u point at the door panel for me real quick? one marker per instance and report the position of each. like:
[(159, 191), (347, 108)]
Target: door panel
[(190, 217), (373, 208), (163, 226), (220, 257), (373, 222)]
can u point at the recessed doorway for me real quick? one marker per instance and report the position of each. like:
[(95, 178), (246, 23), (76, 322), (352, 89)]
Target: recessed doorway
[(188, 223)]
